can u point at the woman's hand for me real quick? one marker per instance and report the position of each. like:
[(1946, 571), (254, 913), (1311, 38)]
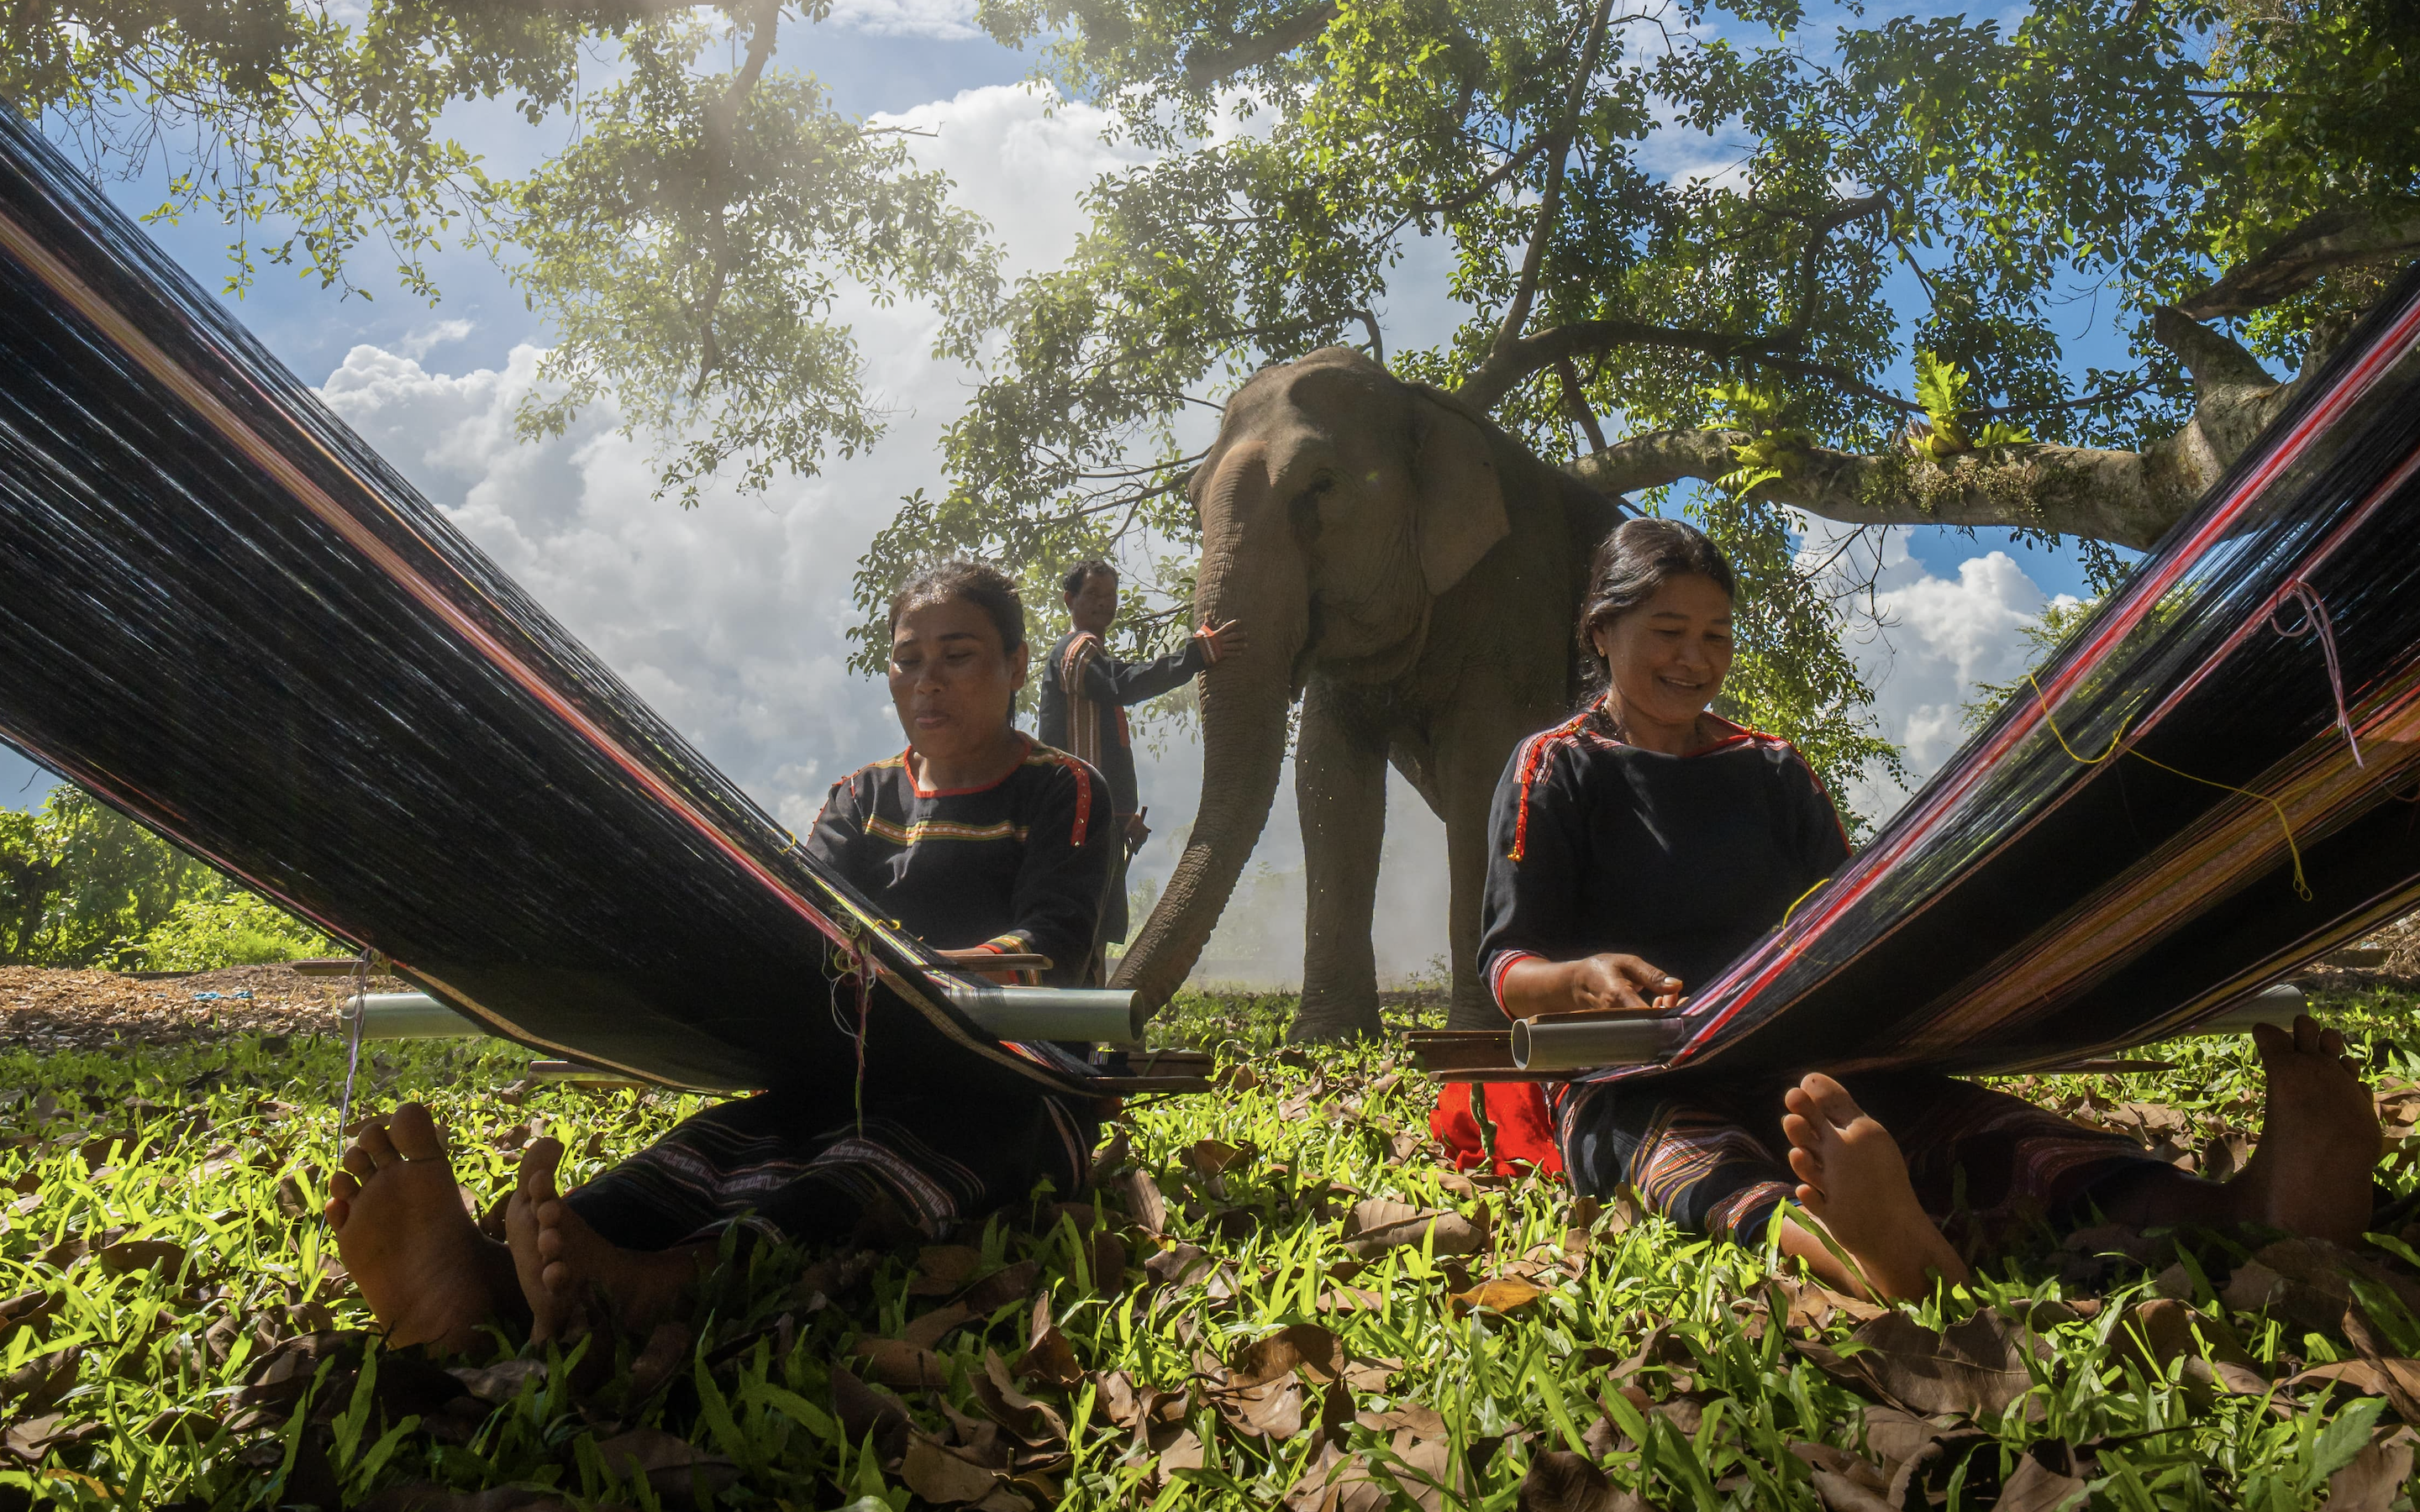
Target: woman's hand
[(1595, 985)]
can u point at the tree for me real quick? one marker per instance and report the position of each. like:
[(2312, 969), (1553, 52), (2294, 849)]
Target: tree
[(1938, 187), (685, 247), (81, 884)]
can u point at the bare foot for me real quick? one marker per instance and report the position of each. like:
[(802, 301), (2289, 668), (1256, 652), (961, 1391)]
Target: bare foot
[(2312, 1170), (1856, 1184), (573, 1278), (423, 1266)]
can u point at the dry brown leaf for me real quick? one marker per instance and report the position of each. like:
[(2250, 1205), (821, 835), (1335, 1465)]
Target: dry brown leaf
[(676, 1469), (1976, 1367), (1048, 1355), (1009, 1283), (1308, 1348), (1038, 1423), (1335, 1481), (2045, 1480), (1503, 1294), (943, 1269), (1406, 1417), (1561, 1481), (926, 1333), (669, 1349), (1272, 1410), (900, 1365), (1142, 1199), (2376, 1477), (1378, 1225), (1179, 1266), (862, 1409), (943, 1475), (499, 1382)]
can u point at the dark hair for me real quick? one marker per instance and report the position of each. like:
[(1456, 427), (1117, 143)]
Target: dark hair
[(1072, 583), (1640, 557), (978, 584)]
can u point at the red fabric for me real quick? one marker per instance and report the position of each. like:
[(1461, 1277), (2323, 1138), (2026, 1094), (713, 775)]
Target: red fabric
[(1525, 1135)]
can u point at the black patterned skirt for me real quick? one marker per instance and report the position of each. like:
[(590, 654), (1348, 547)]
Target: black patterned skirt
[(1710, 1154), (798, 1169)]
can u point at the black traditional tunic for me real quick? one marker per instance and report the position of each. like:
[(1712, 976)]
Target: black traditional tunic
[(1018, 866), (1685, 862), (1085, 692)]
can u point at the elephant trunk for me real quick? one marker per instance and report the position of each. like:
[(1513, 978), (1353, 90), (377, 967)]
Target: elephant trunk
[(1250, 573)]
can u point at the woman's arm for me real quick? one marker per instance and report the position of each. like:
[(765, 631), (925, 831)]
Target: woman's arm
[(1532, 986), (1070, 848)]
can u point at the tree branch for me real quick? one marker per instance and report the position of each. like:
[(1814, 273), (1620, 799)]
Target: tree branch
[(2127, 498), (1576, 404), (1206, 66), (1516, 313), (2321, 244), (1509, 365)]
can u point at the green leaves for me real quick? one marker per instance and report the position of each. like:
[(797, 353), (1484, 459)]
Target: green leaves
[(1941, 388)]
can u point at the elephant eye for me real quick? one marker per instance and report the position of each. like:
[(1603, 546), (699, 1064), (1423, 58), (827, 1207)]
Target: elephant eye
[(1304, 508)]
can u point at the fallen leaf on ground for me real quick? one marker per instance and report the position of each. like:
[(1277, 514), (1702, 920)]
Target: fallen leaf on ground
[(1976, 1367), (927, 1332), (1378, 1225), (673, 1466), (1504, 1294), (898, 1363), (1048, 1355), (943, 1475), (667, 1353), (1561, 1481), (1037, 1423), (1314, 1350), (2375, 1478), (1011, 1284), (499, 1382), (1142, 1199), (943, 1269), (862, 1409), (2045, 1480)]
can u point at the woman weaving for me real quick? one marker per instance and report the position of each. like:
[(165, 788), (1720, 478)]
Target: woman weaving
[(1645, 845), (977, 838)]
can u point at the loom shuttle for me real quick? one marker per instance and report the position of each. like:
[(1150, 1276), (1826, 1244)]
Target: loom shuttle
[(1578, 1042)]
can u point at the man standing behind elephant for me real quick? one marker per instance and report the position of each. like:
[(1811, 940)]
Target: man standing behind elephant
[(1085, 692)]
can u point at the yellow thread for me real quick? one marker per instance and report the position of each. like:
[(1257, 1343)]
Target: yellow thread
[(1795, 901), (2302, 887)]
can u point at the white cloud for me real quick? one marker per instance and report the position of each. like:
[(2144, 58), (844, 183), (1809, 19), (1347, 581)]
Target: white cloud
[(429, 337), (1938, 638), (947, 21)]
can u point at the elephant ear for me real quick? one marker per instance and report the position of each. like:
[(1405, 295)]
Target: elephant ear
[(1460, 501)]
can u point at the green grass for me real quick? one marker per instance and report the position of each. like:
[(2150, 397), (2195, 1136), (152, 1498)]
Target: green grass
[(167, 1258)]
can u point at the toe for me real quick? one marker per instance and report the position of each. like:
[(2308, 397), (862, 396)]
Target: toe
[(1833, 1104), (376, 1144), (2270, 1040), (342, 1187), (539, 1163), (358, 1161), (1804, 1165), (2306, 1033), (1799, 1130), (337, 1212), (414, 1133)]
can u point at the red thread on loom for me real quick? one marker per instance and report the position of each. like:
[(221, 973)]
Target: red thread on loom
[(2315, 617)]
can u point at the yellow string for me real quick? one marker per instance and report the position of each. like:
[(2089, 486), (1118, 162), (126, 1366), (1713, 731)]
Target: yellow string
[(2302, 887), (1795, 903)]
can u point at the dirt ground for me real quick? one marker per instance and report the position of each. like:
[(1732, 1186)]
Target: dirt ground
[(42, 1009)]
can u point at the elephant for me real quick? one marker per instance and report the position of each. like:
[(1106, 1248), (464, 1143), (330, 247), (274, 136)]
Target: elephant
[(1410, 571)]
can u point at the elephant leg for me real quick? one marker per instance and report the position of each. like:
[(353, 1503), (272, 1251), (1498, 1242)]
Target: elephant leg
[(1340, 780), (1470, 763)]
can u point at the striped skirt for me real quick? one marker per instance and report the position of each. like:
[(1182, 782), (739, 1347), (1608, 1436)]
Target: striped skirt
[(798, 1169), (1710, 1154)]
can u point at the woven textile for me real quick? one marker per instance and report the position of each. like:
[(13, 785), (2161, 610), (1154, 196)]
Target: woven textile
[(227, 617)]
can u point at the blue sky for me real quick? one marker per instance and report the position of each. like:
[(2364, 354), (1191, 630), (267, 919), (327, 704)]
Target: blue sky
[(731, 618)]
